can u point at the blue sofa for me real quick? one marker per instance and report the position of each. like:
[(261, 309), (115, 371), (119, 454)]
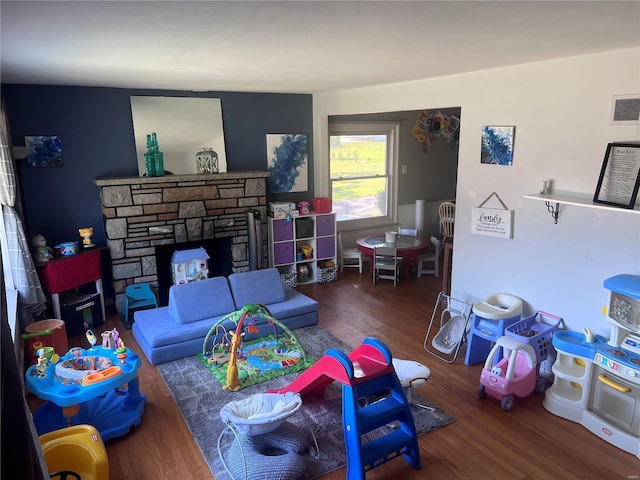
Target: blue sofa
[(178, 330)]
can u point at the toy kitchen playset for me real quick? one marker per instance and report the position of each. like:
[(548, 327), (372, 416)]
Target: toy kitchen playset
[(597, 382)]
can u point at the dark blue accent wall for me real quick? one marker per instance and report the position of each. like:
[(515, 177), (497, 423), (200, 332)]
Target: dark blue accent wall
[(96, 129)]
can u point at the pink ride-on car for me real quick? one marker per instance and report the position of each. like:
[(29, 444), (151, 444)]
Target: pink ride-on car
[(515, 374)]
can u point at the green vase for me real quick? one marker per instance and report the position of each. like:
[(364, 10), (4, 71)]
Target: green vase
[(153, 159)]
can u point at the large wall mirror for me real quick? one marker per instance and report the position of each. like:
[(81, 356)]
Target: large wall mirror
[(185, 127)]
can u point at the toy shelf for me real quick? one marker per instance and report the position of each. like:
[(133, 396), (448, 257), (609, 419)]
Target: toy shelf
[(303, 245)]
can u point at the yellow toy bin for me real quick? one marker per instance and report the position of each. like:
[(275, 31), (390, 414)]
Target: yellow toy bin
[(77, 448)]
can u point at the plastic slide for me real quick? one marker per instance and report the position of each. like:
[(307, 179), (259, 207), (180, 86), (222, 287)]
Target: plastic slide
[(372, 357)]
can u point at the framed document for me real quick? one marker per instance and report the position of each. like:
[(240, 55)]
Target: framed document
[(620, 175)]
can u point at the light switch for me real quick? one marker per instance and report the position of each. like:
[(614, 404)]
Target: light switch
[(404, 169)]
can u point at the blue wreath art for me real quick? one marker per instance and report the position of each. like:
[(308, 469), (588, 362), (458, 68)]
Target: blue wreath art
[(288, 157)]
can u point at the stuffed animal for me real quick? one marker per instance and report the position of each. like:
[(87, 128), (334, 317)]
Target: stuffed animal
[(43, 253), (86, 234)]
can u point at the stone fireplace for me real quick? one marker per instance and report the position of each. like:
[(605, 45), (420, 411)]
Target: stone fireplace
[(141, 213)]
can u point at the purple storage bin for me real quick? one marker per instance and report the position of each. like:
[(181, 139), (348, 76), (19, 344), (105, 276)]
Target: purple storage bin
[(283, 253), (325, 225), (326, 247), (282, 230)]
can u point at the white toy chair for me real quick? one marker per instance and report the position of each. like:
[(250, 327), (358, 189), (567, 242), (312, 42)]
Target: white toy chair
[(386, 264), (352, 254)]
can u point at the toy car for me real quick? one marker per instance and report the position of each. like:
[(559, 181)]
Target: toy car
[(514, 375)]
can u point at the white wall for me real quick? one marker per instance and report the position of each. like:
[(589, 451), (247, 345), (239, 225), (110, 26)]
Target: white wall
[(561, 112)]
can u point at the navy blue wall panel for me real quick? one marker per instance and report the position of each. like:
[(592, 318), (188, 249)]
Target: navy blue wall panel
[(96, 129)]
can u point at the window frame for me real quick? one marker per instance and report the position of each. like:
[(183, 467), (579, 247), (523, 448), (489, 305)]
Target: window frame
[(392, 131)]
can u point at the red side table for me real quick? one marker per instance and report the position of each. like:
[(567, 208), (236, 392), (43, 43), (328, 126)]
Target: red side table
[(66, 273)]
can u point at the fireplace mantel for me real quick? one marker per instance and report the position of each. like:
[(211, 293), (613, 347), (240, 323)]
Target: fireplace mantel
[(141, 213), (198, 177)]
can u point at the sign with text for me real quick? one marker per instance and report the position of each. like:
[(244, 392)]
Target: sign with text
[(494, 222)]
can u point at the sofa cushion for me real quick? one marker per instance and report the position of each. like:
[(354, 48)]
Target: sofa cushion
[(159, 328), (295, 304), (257, 286), (195, 301)]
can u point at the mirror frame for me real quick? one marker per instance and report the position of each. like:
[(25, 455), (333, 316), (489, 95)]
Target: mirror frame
[(183, 126)]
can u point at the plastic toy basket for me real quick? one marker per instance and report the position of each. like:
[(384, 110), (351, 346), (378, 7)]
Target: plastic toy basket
[(536, 330)]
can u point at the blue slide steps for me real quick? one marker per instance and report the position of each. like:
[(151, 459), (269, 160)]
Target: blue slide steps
[(375, 402)]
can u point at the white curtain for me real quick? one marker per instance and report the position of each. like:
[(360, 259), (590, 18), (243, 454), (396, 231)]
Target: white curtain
[(20, 273)]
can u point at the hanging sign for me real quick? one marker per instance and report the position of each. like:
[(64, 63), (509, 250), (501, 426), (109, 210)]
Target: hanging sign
[(494, 222)]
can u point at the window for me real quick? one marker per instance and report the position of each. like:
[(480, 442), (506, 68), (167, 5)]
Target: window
[(362, 159)]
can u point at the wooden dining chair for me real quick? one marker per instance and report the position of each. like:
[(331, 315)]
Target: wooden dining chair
[(408, 231), (447, 213), (386, 264)]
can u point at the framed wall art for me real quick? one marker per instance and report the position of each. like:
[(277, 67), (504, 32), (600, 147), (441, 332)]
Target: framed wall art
[(493, 222), (287, 162), (45, 151), (620, 176), (497, 145)]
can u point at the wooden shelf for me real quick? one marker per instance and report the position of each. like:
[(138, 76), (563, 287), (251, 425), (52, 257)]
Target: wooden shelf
[(550, 199)]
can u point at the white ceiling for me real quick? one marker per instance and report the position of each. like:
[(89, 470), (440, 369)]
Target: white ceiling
[(295, 46)]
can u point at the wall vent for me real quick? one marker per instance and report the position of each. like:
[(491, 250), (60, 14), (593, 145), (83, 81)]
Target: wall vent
[(625, 110)]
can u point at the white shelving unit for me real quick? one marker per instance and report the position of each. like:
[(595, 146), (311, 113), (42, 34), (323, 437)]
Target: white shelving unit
[(289, 239), (551, 199)]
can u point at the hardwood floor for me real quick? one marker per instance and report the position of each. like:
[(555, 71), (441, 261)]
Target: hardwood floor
[(483, 443)]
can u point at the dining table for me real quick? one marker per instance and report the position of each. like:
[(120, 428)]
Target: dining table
[(409, 248)]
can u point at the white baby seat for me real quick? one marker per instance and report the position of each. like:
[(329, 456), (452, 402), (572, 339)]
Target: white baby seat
[(498, 307), (259, 424), (450, 335), (454, 321), (260, 413)]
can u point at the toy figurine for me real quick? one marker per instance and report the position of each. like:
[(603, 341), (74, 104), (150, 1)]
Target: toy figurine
[(43, 253), (91, 338), (107, 340), (121, 351), (41, 367), (86, 234)]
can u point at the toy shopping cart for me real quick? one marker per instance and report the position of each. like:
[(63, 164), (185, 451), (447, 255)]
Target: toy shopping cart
[(452, 331), (537, 330)]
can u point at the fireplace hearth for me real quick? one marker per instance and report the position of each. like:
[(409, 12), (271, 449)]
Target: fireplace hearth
[(143, 213)]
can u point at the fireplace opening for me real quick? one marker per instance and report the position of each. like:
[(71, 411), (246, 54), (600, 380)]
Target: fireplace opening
[(220, 262)]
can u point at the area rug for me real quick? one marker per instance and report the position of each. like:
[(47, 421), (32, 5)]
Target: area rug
[(200, 397), (260, 360)]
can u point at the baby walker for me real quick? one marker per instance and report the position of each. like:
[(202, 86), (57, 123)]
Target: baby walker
[(454, 319)]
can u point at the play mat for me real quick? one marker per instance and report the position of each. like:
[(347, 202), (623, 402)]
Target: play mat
[(261, 359)]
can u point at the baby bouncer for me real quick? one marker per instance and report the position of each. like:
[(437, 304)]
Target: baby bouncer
[(452, 329), (266, 446)]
